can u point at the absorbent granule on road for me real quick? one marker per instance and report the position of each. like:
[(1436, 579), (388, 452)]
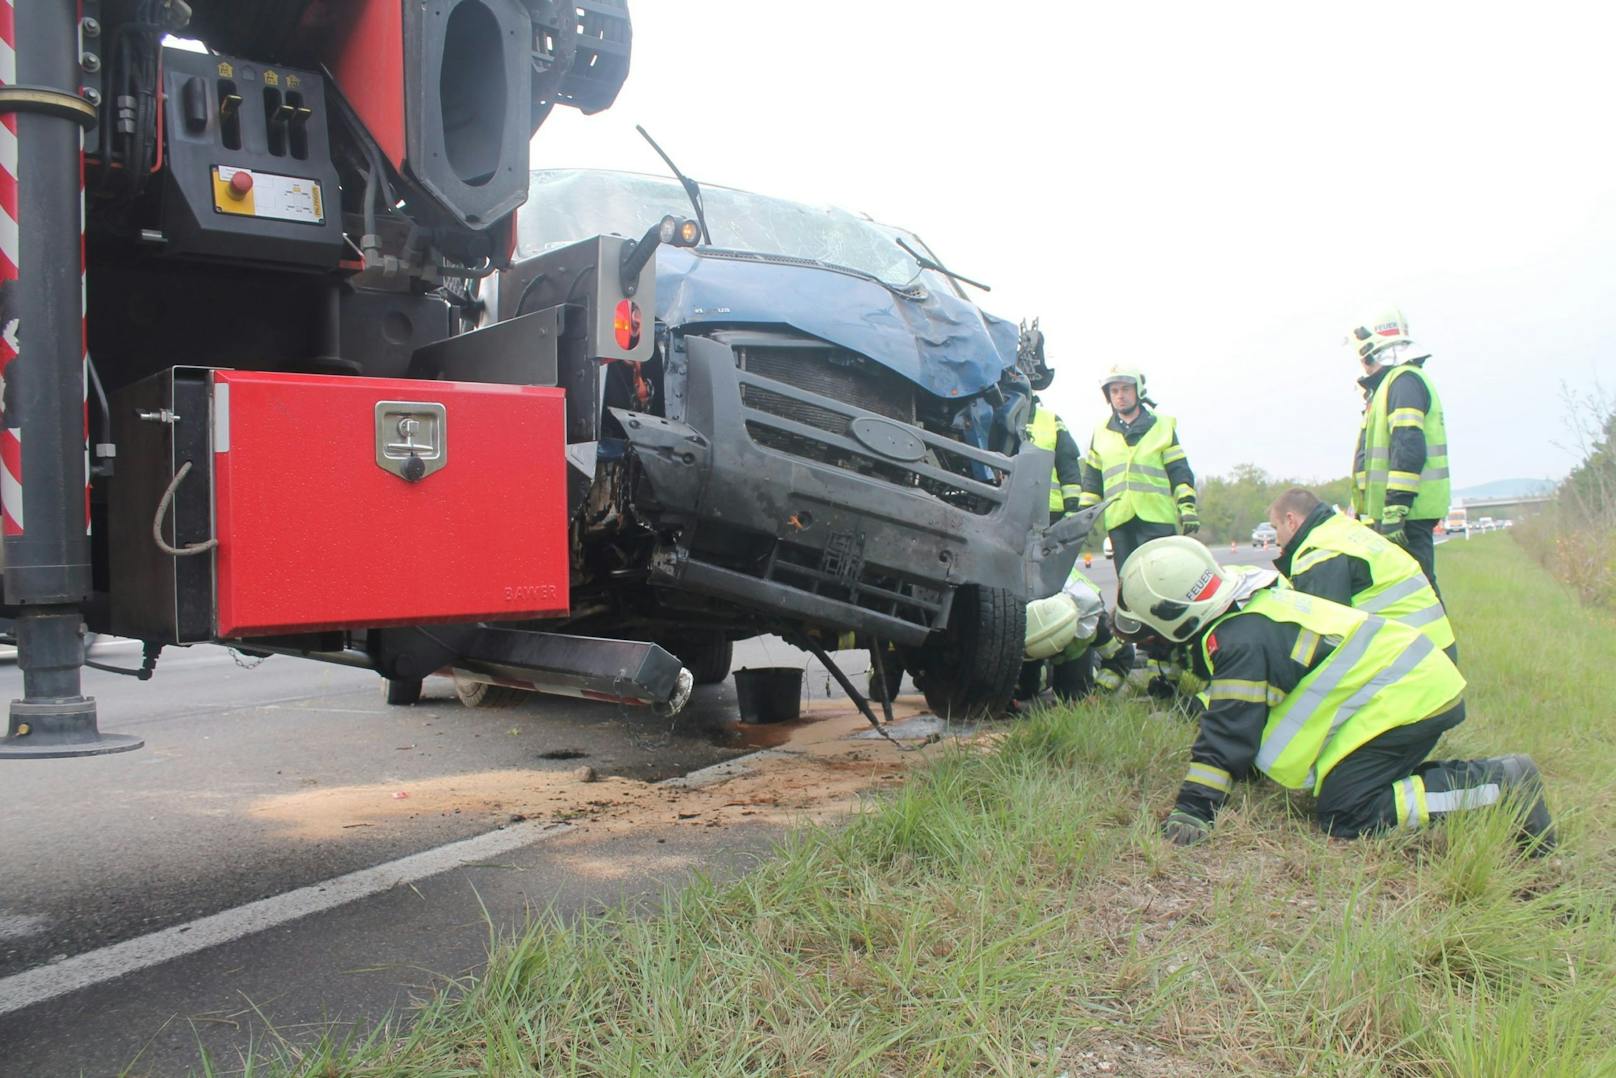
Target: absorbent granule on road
[(812, 771)]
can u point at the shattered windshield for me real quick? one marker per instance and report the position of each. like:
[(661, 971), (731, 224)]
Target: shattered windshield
[(566, 206)]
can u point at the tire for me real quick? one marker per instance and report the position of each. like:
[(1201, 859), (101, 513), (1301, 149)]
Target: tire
[(482, 694), (401, 692), (707, 657), (970, 669)]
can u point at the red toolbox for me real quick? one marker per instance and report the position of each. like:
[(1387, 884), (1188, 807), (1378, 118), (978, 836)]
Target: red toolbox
[(343, 502)]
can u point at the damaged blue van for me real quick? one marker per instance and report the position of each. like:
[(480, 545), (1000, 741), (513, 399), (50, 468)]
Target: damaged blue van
[(826, 443)]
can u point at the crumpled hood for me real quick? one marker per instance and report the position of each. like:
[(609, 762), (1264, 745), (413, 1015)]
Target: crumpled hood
[(942, 343)]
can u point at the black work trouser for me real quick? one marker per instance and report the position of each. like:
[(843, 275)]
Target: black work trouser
[(1420, 542), (1357, 796), (1129, 536)]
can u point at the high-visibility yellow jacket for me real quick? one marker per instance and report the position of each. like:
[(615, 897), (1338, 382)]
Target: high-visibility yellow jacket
[(1298, 682), (1402, 449), (1148, 471), (1385, 580), (1066, 478)]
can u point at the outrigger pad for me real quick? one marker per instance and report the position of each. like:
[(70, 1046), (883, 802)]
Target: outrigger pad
[(60, 731)]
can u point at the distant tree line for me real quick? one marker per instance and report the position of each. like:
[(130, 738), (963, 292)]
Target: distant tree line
[(1232, 505)]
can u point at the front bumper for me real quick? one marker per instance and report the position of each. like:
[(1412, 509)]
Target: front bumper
[(812, 542)]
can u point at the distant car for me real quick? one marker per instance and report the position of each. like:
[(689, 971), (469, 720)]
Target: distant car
[(1486, 524), (1457, 521), (1263, 534)]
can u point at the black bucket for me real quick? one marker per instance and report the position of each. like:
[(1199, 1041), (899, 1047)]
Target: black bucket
[(769, 693)]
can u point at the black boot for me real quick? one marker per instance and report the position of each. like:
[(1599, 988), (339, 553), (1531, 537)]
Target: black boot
[(1031, 681), (1074, 679), (1518, 774)]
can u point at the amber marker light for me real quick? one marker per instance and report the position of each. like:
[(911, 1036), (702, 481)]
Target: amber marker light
[(626, 324)]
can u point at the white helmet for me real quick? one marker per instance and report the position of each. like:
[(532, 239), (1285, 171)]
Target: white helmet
[(1374, 335), (1174, 585), (1071, 614), (1130, 375)]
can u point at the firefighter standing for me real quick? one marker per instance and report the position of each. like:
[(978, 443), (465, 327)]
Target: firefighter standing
[(1045, 428), (1135, 456), (1318, 697), (1066, 479), (1327, 554), (1400, 469)]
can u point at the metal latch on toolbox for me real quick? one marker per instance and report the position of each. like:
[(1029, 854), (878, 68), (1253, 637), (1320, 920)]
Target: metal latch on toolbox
[(410, 438)]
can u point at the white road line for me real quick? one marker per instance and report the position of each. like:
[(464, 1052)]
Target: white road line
[(713, 774), (95, 967), (131, 956)]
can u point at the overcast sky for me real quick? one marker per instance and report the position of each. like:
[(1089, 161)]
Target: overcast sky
[(1210, 191)]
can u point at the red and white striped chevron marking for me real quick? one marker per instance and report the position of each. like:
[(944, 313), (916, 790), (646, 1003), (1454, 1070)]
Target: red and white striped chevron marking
[(11, 521), (84, 325)]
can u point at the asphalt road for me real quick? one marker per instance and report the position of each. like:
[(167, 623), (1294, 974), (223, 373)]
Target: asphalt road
[(287, 777), (241, 796)]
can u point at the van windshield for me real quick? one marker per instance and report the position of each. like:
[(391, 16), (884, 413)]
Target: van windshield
[(565, 206)]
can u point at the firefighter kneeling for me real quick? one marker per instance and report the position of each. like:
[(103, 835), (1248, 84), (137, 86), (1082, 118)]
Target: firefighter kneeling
[(1318, 697), (1071, 629)]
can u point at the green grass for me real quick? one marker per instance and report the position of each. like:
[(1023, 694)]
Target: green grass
[(1015, 913)]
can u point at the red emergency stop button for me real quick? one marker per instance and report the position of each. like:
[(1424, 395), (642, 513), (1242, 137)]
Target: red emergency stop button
[(240, 184)]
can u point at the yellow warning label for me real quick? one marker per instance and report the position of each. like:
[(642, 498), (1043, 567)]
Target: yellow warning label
[(293, 82), (271, 79), (227, 70), (269, 196)]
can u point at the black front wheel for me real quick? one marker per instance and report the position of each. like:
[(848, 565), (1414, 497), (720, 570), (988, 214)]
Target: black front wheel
[(706, 656), (970, 669)]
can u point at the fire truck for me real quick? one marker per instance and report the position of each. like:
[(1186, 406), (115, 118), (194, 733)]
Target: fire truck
[(260, 387)]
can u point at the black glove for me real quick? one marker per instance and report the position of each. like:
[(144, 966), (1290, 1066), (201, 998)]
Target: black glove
[(1073, 505), (1189, 518), (1393, 519), (1182, 829)]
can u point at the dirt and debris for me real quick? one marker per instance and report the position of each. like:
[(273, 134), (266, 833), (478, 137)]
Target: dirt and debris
[(810, 769)]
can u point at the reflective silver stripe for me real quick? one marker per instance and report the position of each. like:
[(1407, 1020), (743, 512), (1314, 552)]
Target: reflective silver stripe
[(1143, 488), (1473, 797), (1440, 449), (1310, 559), (1115, 470), (1382, 454), (1346, 657), (1145, 469), (1247, 692), (1411, 805), (1424, 616), (1399, 591), (1213, 778), (1434, 473), (1307, 642), (1418, 649)]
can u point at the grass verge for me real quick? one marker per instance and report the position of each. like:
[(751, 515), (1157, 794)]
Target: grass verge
[(1013, 912)]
